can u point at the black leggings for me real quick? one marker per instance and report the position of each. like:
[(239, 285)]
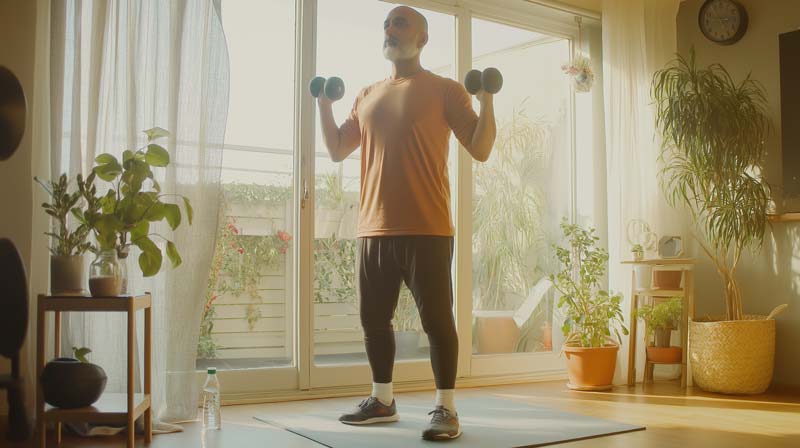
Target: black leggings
[(423, 262)]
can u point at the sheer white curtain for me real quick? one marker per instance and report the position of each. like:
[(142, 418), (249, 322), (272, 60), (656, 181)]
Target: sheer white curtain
[(116, 69), (639, 37)]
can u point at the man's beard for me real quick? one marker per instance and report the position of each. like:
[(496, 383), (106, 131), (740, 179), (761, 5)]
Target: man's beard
[(399, 53)]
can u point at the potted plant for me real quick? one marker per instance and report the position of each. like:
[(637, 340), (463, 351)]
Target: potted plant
[(131, 204), (69, 246), (660, 320), (592, 314), (406, 325), (73, 382), (713, 151)]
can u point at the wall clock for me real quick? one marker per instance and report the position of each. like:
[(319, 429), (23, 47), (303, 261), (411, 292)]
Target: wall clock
[(723, 21)]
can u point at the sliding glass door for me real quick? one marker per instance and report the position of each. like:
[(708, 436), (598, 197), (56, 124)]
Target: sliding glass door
[(281, 313)]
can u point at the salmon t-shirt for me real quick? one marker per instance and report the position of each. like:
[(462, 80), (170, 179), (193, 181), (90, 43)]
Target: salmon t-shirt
[(403, 126)]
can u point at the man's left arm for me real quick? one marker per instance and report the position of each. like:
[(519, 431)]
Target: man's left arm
[(486, 130), (475, 132)]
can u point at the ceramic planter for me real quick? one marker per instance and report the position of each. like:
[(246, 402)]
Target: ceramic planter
[(67, 275), (69, 383), (497, 332)]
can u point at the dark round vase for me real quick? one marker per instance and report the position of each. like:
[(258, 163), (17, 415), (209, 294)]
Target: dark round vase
[(69, 383)]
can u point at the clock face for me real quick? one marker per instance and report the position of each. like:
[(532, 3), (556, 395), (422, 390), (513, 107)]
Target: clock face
[(723, 21)]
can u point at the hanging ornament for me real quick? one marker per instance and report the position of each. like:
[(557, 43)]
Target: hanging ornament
[(580, 67)]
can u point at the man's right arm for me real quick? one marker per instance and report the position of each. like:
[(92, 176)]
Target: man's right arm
[(341, 142)]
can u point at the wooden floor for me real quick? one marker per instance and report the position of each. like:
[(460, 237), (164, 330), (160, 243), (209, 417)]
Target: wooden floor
[(673, 417)]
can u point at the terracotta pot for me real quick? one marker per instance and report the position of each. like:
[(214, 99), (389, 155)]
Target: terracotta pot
[(591, 368), (666, 279), (497, 332), (547, 336), (664, 354)]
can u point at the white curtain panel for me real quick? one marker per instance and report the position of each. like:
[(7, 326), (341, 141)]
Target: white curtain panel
[(116, 69), (639, 37)]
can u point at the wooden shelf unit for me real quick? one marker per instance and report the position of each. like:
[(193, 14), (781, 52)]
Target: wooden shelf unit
[(111, 408)]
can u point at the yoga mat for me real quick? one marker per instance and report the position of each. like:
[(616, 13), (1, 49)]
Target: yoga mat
[(485, 422)]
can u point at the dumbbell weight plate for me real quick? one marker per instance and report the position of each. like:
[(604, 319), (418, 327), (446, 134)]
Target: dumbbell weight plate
[(315, 86), (334, 88), (492, 80), (472, 81)]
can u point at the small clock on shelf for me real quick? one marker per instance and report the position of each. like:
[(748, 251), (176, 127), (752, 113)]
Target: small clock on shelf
[(723, 21)]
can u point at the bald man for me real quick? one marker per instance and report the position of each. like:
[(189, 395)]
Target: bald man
[(405, 231)]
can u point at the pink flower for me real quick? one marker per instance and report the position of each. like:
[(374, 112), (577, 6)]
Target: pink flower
[(284, 236), (240, 250)]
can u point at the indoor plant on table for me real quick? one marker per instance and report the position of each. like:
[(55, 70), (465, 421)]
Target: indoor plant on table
[(130, 205), (69, 246), (591, 313), (713, 153)]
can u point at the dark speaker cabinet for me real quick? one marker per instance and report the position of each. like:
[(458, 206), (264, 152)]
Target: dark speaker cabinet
[(790, 114)]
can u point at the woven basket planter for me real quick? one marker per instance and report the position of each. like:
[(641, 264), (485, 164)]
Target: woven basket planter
[(732, 357)]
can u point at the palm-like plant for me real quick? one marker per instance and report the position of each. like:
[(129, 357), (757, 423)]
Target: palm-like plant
[(713, 149), (508, 212)]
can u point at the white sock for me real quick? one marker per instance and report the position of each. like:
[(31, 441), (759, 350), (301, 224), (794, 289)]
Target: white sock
[(446, 398), (383, 392)]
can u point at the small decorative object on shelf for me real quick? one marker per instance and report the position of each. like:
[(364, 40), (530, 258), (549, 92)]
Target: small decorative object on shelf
[(73, 382), (670, 246), (105, 275)]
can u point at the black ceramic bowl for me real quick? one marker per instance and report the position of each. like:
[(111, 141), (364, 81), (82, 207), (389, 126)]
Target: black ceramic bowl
[(69, 383)]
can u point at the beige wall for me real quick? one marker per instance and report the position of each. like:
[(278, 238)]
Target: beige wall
[(771, 277), (17, 37)]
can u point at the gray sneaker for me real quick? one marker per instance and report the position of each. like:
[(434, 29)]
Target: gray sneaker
[(370, 411), (444, 425)]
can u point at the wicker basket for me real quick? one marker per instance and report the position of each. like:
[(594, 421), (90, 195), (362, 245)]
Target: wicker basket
[(732, 357)]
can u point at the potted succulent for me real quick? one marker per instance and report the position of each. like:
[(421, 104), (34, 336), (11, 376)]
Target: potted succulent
[(713, 152), (69, 246), (130, 205), (73, 382), (592, 315), (660, 320)]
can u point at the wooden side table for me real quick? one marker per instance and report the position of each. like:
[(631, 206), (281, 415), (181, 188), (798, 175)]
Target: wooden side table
[(111, 407), (686, 266)]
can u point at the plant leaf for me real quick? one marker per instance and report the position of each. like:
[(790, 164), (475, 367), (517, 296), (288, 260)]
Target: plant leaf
[(80, 354), (150, 258), (156, 155), (156, 132), (172, 253), (173, 214), (189, 210)]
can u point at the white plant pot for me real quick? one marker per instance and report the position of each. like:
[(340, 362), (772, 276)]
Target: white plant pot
[(67, 275), (643, 277)]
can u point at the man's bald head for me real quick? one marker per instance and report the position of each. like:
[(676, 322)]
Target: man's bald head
[(406, 32)]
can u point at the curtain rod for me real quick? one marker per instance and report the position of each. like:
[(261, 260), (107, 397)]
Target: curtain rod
[(560, 6)]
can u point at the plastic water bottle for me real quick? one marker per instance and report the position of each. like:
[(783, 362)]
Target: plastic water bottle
[(211, 412)]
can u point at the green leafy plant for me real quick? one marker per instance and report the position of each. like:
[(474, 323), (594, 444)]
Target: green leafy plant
[(713, 151), (664, 315), (591, 312), (65, 242), (509, 236), (80, 354), (133, 202)]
